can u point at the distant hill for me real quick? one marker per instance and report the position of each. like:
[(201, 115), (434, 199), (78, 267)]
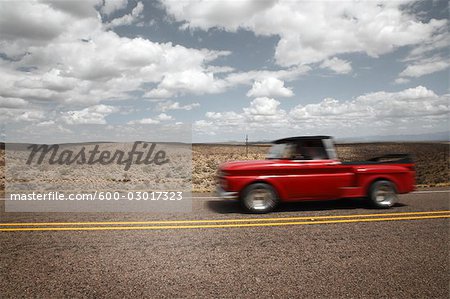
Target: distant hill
[(439, 136)]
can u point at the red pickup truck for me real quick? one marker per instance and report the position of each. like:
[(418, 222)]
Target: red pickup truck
[(307, 168)]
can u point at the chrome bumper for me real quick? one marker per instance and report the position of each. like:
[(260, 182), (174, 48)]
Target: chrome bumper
[(226, 195)]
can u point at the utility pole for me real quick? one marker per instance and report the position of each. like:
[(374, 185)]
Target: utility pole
[(246, 145)]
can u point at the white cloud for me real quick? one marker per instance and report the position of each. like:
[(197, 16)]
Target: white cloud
[(229, 117), (159, 93), (219, 69), (111, 6), (436, 43), (128, 19), (164, 117), (194, 81), (91, 115), (412, 102), (205, 127), (30, 20), (12, 102), (337, 65), (425, 67), (79, 9), (73, 59), (428, 57), (262, 106), (144, 121), (31, 116), (387, 112), (311, 32), (171, 105), (269, 87), (46, 123), (158, 119), (262, 114), (401, 81), (228, 15), (249, 77)]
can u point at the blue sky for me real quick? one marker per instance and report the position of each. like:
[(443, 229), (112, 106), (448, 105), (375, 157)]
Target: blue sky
[(267, 68)]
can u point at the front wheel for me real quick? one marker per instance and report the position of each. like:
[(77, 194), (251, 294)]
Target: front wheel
[(259, 198), (382, 194)]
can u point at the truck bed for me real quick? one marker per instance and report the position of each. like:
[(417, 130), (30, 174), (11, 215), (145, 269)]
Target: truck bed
[(385, 159)]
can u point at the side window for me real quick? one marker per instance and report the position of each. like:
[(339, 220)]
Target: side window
[(298, 153), (310, 153), (319, 153), (314, 150), (289, 151)]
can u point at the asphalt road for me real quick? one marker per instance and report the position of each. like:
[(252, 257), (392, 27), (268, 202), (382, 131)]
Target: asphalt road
[(330, 249)]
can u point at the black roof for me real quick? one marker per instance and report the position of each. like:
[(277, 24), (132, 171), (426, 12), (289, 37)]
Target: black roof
[(301, 138)]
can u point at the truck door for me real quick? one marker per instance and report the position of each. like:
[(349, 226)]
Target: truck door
[(319, 179)]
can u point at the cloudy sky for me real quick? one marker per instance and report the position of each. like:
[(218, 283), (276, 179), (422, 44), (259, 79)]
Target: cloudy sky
[(264, 68)]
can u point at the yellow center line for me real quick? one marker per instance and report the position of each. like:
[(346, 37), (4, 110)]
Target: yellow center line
[(222, 220), (234, 225)]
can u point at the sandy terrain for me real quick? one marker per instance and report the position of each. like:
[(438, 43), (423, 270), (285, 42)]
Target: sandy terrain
[(432, 161)]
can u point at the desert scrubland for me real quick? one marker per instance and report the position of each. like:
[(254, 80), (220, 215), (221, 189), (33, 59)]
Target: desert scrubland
[(432, 159), (432, 165)]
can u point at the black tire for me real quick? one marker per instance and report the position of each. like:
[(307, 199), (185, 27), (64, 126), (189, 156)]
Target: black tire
[(382, 194), (259, 198)]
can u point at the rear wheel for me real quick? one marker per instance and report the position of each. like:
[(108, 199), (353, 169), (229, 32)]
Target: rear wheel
[(382, 194), (259, 198)]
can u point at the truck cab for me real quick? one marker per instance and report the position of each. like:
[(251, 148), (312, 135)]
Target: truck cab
[(303, 148)]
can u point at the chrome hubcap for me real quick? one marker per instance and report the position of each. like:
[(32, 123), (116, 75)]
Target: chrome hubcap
[(385, 195), (260, 199)]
